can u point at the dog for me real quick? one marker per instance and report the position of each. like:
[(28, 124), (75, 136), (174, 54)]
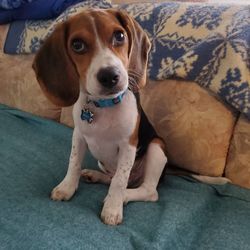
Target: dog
[(97, 60)]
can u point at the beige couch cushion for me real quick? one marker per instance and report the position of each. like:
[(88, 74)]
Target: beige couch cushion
[(18, 84), (238, 163), (195, 126), (67, 117)]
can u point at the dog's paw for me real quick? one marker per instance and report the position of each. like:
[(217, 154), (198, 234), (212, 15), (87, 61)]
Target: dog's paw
[(89, 175), (112, 213), (64, 191), (111, 216)]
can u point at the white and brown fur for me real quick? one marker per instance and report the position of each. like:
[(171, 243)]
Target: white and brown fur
[(120, 137), (129, 152)]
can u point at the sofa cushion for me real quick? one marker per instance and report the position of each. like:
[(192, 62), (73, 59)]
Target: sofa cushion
[(18, 84), (67, 117), (195, 126), (33, 159), (19, 87), (238, 162)]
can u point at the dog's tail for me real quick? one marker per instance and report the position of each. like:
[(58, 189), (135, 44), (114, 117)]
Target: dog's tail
[(211, 180), (173, 170)]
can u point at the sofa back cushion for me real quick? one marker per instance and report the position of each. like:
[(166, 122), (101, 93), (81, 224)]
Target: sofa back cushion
[(195, 126)]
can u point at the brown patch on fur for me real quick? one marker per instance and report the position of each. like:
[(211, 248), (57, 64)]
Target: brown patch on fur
[(139, 46), (133, 139), (55, 72), (105, 33)]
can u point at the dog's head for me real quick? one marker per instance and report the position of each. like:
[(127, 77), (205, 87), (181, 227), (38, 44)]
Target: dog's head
[(97, 52)]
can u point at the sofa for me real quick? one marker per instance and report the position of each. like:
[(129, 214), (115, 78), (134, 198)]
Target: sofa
[(203, 120)]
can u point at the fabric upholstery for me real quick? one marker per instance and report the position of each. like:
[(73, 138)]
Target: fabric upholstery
[(238, 162), (66, 116), (194, 125), (205, 43), (18, 84), (27, 36), (20, 89), (12, 10), (33, 159)]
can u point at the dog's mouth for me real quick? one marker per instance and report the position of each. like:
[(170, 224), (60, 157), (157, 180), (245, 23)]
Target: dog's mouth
[(107, 93), (113, 92)]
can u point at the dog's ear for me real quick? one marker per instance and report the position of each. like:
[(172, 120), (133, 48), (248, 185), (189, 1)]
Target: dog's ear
[(55, 70), (139, 47)]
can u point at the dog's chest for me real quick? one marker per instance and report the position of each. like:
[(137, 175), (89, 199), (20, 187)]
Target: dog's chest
[(110, 127)]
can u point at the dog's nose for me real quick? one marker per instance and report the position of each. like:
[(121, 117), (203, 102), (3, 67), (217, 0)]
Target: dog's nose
[(108, 76)]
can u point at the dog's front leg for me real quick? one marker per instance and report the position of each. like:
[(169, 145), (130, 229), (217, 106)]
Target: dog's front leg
[(112, 211), (66, 189)]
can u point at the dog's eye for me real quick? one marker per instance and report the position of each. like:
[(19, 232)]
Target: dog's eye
[(78, 46), (118, 38)]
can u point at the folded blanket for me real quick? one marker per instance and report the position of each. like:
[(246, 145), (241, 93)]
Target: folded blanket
[(205, 43), (32, 9)]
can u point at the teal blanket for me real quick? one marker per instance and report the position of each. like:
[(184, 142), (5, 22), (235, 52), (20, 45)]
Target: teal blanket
[(33, 159)]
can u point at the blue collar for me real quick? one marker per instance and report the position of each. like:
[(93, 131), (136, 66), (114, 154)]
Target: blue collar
[(88, 115), (105, 103)]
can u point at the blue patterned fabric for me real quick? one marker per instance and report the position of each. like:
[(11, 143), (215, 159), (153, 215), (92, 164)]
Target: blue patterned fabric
[(26, 36), (33, 10), (208, 44), (12, 4)]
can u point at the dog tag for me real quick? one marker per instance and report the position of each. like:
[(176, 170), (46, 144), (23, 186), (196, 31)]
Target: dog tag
[(87, 115)]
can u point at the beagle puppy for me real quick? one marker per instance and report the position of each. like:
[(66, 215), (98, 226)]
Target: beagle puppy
[(97, 61)]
